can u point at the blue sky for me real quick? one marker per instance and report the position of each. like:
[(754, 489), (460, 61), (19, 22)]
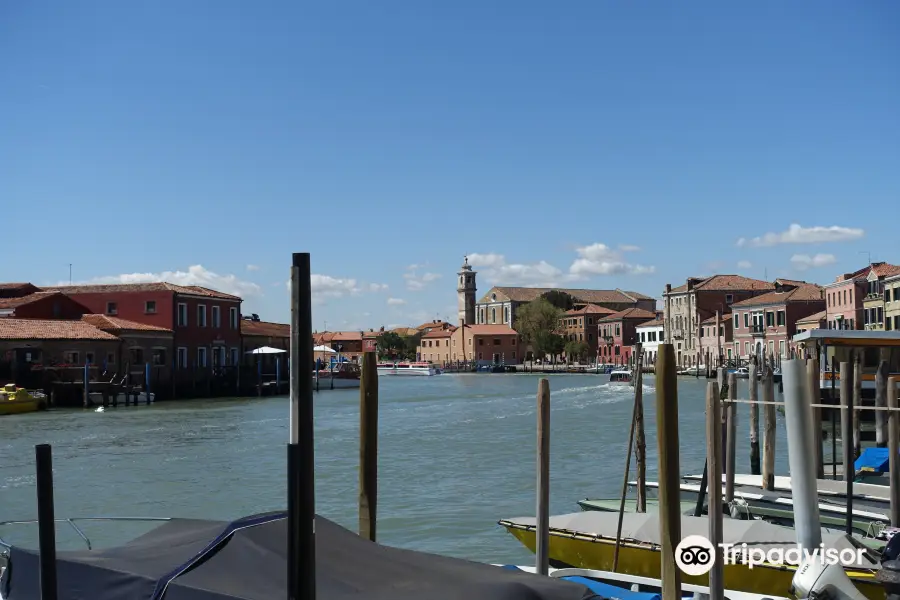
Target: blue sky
[(590, 143)]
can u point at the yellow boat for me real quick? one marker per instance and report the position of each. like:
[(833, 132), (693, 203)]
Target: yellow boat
[(15, 400), (587, 540)]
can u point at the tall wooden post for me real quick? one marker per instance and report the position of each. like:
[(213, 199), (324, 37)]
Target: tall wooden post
[(894, 449), (731, 442), (847, 436), (640, 443), (714, 467), (768, 396), (368, 446), (669, 467), (881, 377), (754, 417), (857, 401), (815, 397), (542, 524)]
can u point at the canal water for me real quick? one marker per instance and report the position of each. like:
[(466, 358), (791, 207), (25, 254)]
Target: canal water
[(456, 453)]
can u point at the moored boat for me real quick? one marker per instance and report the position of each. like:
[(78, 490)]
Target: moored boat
[(406, 368), (343, 376), (620, 377), (15, 400)]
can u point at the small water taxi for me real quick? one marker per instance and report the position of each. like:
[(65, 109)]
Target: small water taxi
[(407, 368), (344, 375), (15, 400), (620, 377)]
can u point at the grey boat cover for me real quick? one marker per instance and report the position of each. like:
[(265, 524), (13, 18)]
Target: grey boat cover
[(643, 528), (187, 559)]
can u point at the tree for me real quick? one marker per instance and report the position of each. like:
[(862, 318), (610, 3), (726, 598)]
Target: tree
[(537, 323), (390, 345), (410, 345), (576, 350)]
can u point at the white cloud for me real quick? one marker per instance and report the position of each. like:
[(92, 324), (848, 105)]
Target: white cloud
[(195, 275), (595, 259), (396, 301), (744, 264), (416, 282), (600, 259), (797, 234), (802, 262), (326, 286), (253, 267)]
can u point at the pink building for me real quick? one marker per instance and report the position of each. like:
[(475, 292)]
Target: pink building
[(711, 344), (769, 321), (844, 300)]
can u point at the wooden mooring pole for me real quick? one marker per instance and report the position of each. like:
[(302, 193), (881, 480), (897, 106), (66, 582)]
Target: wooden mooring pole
[(669, 470), (640, 441), (768, 396), (815, 397), (714, 468), (754, 417), (881, 377), (847, 436), (894, 449), (368, 447), (857, 400), (542, 524), (731, 440)]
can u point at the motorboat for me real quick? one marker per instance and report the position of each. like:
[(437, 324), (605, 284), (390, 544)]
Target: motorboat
[(620, 377), (406, 368), (344, 375), (15, 400), (694, 370)]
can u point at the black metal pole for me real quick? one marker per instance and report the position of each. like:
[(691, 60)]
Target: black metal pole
[(46, 521), (701, 494), (301, 562)]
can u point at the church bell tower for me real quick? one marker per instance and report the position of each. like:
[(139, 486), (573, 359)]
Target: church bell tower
[(465, 291)]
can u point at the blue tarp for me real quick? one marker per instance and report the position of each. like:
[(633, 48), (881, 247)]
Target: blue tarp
[(873, 459), (611, 591)]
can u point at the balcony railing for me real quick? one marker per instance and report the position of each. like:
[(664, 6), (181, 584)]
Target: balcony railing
[(678, 334), (874, 296), (757, 329)]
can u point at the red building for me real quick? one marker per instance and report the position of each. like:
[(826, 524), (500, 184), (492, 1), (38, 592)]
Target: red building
[(41, 305), (616, 334), (206, 323), (770, 320)]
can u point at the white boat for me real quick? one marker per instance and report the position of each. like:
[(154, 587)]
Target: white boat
[(620, 377), (694, 370), (407, 368)]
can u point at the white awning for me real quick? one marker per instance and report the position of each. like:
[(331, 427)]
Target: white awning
[(323, 349), (266, 350)]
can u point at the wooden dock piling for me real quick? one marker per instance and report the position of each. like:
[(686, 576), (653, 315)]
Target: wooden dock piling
[(640, 441), (768, 396), (731, 440), (754, 417), (857, 400), (542, 524), (714, 469), (669, 470), (814, 397), (847, 436), (881, 377), (368, 446), (894, 449)]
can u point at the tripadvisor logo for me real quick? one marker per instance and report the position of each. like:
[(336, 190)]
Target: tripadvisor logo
[(695, 555)]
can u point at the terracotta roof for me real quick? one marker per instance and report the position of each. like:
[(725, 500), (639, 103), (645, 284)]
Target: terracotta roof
[(712, 319), (819, 316), (346, 336), (657, 322), (21, 300), (527, 294), (808, 292), (160, 286), (265, 329), (886, 270), (721, 283), (629, 313), (50, 329), (108, 323), (439, 333), (878, 267), (433, 324), (590, 309), (485, 329), (17, 287), (405, 331)]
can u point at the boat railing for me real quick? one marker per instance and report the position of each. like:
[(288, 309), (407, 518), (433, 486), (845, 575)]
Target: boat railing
[(72, 522)]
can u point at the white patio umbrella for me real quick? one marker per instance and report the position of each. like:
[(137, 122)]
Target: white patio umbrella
[(266, 350), (325, 349)]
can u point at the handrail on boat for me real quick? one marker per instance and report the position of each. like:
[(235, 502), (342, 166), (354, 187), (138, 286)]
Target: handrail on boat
[(5, 546)]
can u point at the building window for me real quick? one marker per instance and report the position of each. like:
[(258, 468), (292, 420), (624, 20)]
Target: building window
[(72, 357), (112, 308), (662, 336), (137, 356), (150, 307), (233, 317), (110, 358), (781, 347), (506, 314), (781, 318), (493, 315), (159, 357), (89, 357), (201, 315), (729, 298), (201, 356), (770, 318), (182, 358), (617, 330), (182, 314), (216, 317), (737, 321), (747, 320)]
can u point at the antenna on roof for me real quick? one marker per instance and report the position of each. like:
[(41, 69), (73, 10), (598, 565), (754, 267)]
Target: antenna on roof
[(868, 255), (70, 273)]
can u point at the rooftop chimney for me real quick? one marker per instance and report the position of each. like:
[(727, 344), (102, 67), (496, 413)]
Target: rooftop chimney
[(668, 288)]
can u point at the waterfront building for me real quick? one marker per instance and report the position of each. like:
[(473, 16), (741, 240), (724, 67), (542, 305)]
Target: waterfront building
[(845, 297), (651, 334), (875, 298), (40, 305), (714, 344), (205, 322), (892, 303), (256, 333), (770, 320), (580, 324), (686, 306), (616, 334), (434, 346), (486, 345)]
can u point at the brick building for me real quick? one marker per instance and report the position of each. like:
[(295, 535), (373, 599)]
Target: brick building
[(580, 324), (712, 344), (845, 297), (205, 323), (616, 334), (435, 346), (140, 344), (256, 334), (770, 320), (686, 306), (486, 344), (41, 305)]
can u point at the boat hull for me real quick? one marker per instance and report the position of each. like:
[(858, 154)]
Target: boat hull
[(18, 407), (641, 560), (336, 383), (407, 372)]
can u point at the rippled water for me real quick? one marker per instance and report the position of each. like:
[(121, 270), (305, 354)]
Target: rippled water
[(457, 453)]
